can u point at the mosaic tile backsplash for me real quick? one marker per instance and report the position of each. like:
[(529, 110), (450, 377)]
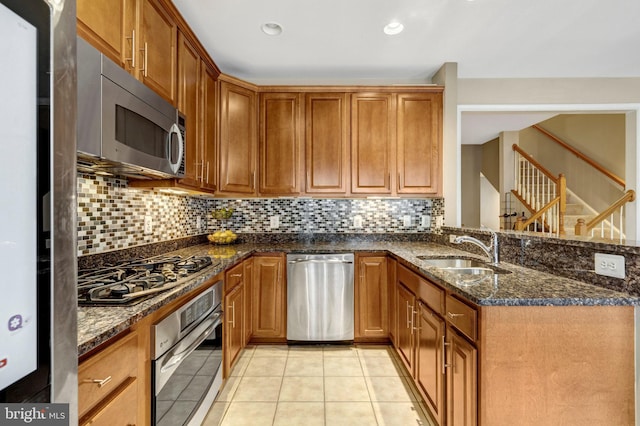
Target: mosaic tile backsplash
[(111, 215)]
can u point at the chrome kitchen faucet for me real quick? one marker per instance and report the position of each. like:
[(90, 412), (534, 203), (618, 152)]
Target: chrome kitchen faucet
[(491, 250)]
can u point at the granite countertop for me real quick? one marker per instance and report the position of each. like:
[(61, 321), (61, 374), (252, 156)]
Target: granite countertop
[(520, 287)]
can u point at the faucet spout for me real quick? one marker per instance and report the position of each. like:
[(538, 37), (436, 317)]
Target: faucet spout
[(491, 250)]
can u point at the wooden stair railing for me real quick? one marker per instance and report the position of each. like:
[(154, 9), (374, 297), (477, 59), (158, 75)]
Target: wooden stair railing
[(542, 193), (581, 156), (583, 228)]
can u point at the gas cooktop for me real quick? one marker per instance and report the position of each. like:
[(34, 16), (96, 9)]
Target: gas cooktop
[(132, 282)]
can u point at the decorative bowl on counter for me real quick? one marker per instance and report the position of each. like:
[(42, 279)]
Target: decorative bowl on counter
[(222, 237)]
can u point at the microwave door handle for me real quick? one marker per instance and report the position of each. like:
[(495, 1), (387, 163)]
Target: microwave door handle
[(175, 129)]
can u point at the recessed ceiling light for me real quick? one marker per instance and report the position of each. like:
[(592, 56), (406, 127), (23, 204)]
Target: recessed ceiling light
[(393, 28), (272, 28)]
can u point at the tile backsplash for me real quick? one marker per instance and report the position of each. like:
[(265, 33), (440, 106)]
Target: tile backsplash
[(111, 215)]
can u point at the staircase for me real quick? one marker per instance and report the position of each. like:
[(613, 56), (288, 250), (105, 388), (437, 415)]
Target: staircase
[(554, 209)]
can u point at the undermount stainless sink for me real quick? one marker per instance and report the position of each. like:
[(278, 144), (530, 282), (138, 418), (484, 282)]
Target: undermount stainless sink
[(451, 262), (463, 267)]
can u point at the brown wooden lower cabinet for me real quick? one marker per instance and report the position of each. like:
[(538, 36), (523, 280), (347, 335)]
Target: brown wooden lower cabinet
[(430, 374), (462, 386), (371, 297), (269, 298), (107, 384), (405, 300), (233, 329)]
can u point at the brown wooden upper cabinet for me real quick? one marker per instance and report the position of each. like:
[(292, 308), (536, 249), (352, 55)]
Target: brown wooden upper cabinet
[(158, 50), (326, 143), (111, 26), (140, 35), (419, 143), (188, 91), (280, 143), (372, 142), (209, 126), (238, 139)]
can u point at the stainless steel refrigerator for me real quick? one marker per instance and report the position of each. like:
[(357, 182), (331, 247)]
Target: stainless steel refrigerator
[(38, 337)]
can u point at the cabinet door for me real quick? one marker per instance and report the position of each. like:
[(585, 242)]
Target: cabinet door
[(209, 126), (372, 142), (429, 361), (158, 50), (393, 311), (119, 409), (233, 333), (371, 295), (419, 143), (462, 388), (405, 305), (280, 143), (326, 143), (110, 26), (269, 298), (237, 139), (188, 97), (248, 295)]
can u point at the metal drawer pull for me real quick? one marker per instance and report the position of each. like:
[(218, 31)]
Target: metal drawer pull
[(235, 275), (444, 355), (413, 321), (99, 382), (452, 316)]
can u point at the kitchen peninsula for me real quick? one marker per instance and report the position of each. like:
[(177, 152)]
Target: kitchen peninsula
[(530, 338)]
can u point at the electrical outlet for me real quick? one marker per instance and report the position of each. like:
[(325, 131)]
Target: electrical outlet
[(357, 221), (406, 221), (609, 265), (148, 225), (452, 238), (198, 223), (425, 221), (274, 222)]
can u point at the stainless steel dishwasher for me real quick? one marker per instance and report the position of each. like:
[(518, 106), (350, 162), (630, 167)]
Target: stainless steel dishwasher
[(320, 297)]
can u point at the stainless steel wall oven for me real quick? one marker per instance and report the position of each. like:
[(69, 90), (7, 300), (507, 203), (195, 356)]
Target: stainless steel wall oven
[(186, 371)]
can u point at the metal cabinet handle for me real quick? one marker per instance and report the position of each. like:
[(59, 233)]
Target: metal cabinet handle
[(233, 315), (132, 59), (99, 382), (408, 323), (453, 316), (144, 60), (413, 318), (236, 275), (444, 355)]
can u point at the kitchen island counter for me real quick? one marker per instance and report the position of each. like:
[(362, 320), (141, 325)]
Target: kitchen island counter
[(521, 287)]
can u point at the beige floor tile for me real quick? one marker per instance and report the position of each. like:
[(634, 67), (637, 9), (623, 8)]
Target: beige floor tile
[(299, 413), (345, 389), (389, 389), (374, 351), (266, 367), (304, 367), (341, 367), (271, 351), (229, 389), (240, 365), (379, 366), (340, 351), (216, 413), (265, 389), (400, 414), (401, 368), (250, 414), (303, 389), (349, 413), (305, 351)]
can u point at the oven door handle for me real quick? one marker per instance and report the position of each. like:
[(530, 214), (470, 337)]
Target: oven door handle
[(177, 358)]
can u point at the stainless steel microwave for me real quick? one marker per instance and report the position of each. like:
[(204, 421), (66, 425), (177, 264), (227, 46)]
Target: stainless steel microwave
[(125, 128)]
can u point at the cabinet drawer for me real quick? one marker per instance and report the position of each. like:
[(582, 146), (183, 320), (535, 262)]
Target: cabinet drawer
[(432, 295), (121, 408), (409, 279), (233, 277), (112, 366), (463, 317)]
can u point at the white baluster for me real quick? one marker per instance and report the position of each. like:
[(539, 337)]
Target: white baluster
[(611, 228)]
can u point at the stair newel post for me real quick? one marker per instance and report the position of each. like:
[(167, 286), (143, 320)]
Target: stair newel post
[(581, 227), (562, 191)]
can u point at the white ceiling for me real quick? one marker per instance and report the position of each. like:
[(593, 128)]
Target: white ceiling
[(342, 42)]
